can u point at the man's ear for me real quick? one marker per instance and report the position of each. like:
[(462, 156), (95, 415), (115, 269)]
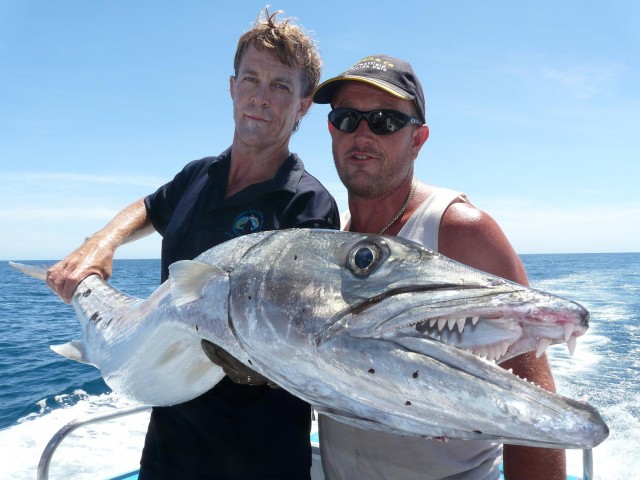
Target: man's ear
[(232, 86), (305, 105), (420, 135)]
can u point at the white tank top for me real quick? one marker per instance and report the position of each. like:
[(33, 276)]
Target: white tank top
[(351, 453)]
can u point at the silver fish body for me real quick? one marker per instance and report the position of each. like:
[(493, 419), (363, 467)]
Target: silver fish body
[(371, 330)]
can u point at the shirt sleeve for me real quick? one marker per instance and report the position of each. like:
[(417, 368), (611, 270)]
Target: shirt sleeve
[(162, 203)]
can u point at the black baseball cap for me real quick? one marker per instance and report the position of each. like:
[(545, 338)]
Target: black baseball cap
[(390, 74)]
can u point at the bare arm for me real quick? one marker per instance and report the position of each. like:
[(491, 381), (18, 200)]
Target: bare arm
[(472, 237), (95, 255)]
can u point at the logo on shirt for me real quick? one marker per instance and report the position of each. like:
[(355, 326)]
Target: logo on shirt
[(250, 221)]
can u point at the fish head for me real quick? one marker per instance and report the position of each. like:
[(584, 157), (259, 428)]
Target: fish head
[(321, 282), (362, 318)]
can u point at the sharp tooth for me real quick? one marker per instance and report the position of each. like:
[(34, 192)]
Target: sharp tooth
[(451, 323), (568, 331), (505, 347), (441, 323), (432, 322), (474, 320), (460, 322), (488, 353), (572, 345), (491, 353), (481, 352), (543, 344)]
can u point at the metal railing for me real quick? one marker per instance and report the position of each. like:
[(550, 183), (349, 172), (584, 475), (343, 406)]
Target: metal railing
[(587, 464), (45, 458)]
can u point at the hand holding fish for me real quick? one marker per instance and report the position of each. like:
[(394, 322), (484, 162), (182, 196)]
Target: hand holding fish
[(95, 255)]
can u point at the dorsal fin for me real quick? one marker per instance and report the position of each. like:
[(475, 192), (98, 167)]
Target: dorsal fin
[(189, 277)]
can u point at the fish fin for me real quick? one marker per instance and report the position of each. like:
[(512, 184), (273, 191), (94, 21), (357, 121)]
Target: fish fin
[(188, 278), (73, 350), (35, 271)]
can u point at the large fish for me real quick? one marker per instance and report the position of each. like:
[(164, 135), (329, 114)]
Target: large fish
[(369, 329)]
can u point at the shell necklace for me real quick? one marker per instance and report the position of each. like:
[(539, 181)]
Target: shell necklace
[(402, 208)]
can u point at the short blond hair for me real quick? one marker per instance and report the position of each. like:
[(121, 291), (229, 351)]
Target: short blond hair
[(288, 42)]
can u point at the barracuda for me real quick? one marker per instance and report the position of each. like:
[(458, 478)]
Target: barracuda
[(375, 331)]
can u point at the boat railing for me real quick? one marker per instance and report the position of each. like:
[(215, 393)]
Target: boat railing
[(60, 435), (587, 464)]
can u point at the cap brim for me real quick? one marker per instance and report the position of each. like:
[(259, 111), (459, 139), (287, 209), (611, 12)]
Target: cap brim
[(327, 89)]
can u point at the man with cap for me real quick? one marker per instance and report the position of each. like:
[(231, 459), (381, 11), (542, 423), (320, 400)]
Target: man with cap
[(374, 159)]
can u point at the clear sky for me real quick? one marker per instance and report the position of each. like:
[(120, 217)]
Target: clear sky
[(534, 109)]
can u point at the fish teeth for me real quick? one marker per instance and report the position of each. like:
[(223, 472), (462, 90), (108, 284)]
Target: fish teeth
[(460, 322), (572, 345), (491, 352), (451, 322), (432, 322), (543, 344), (568, 331), (505, 347), (441, 323), (474, 320), (489, 355)]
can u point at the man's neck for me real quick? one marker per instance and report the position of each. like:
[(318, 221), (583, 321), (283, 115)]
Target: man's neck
[(253, 165), (371, 215)]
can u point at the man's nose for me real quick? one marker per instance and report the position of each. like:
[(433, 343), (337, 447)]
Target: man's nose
[(363, 131), (261, 95)]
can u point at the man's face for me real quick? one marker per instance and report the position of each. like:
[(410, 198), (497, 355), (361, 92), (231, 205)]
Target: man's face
[(373, 165), (267, 100)]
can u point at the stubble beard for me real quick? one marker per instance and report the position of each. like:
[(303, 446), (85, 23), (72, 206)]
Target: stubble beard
[(363, 184)]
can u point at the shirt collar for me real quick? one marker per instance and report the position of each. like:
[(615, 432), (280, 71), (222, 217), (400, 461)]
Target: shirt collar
[(286, 178)]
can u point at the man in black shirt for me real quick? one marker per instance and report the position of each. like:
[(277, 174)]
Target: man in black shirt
[(234, 431)]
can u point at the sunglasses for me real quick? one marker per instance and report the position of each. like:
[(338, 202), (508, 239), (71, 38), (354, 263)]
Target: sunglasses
[(381, 122)]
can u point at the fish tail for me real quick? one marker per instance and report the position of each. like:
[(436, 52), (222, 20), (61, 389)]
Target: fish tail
[(35, 271)]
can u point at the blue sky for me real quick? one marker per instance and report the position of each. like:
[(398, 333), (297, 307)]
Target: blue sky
[(534, 109)]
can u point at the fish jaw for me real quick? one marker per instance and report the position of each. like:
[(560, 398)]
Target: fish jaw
[(427, 388), (493, 322)]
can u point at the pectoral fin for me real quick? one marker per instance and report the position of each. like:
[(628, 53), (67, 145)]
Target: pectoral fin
[(188, 278), (73, 350)]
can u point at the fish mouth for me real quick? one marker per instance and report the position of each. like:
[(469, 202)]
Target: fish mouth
[(495, 323)]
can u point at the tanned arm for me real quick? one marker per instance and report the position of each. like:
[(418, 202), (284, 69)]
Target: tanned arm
[(472, 237), (95, 255)]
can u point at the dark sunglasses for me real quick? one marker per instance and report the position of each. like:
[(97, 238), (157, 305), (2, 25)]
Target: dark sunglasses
[(381, 122)]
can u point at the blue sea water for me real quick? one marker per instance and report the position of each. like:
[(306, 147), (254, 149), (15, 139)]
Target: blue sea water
[(41, 391)]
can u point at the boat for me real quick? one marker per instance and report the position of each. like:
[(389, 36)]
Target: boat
[(316, 466)]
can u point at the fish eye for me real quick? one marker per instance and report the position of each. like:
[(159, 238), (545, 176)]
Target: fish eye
[(364, 258)]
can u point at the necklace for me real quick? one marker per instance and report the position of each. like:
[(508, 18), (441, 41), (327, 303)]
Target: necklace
[(402, 209)]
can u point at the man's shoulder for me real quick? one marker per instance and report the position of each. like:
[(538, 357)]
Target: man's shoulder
[(464, 223), (206, 162), (471, 236), (305, 180)]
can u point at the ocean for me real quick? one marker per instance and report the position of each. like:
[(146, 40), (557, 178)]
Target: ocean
[(41, 391)]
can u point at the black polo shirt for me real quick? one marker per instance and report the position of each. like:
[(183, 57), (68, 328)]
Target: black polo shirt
[(233, 431)]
